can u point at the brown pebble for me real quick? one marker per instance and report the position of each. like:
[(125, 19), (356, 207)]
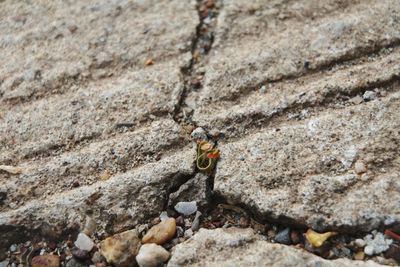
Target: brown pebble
[(393, 252), (161, 233), (244, 221), (46, 261), (149, 62), (296, 237), (180, 221), (360, 167), (359, 256)]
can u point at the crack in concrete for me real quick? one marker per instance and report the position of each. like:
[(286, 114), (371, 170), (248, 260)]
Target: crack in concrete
[(202, 44)]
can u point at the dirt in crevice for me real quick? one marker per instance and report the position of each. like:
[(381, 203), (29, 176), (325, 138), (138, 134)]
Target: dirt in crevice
[(193, 72)]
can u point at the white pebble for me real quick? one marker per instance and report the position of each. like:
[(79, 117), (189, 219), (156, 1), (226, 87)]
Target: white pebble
[(369, 250), (199, 134), (163, 216), (188, 233), (369, 95), (360, 243), (186, 208), (152, 255), (84, 242)]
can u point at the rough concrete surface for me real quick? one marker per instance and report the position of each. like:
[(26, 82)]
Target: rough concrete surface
[(241, 247), (97, 100)]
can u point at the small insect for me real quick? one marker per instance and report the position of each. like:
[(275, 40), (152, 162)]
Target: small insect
[(207, 156)]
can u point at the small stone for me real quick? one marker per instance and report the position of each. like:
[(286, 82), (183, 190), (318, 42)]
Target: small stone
[(163, 216), (376, 243), (72, 28), (295, 236), (283, 237), (180, 221), (97, 257), (360, 243), (179, 231), (360, 167), (369, 250), (199, 134), (152, 255), (149, 62), (84, 242), (80, 254), (13, 248), (90, 226), (188, 233), (393, 252), (357, 100), (161, 233), (120, 249), (46, 261), (196, 222), (75, 263), (369, 95), (186, 208), (359, 256)]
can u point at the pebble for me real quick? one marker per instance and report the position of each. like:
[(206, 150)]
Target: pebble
[(188, 233), (369, 95), (80, 254), (90, 226), (161, 233), (152, 255), (121, 248), (186, 208), (180, 221), (163, 216), (13, 248), (196, 222), (84, 242), (296, 237), (360, 243), (283, 237), (179, 231), (75, 263), (97, 257), (393, 252), (199, 134), (359, 256), (376, 243), (360, 167), (46, 261)]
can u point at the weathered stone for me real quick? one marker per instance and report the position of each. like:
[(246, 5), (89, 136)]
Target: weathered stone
[(57, 45), (84, 242), (130, 198), (152, 255), (304, 171), (46, 261), (196, 189), (161, 233), (186, 208), (250, 49), (241, 247), (120, 249)]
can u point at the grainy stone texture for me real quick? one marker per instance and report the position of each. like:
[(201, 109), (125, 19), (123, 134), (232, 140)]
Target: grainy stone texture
[(302, 97), (305, 170), (241, 247)]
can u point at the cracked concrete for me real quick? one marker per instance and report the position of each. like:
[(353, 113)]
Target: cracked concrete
[(295, 92)]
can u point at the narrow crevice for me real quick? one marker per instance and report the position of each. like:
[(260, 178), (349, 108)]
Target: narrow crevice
[(351, 57), (201, 45), (258, 120)]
